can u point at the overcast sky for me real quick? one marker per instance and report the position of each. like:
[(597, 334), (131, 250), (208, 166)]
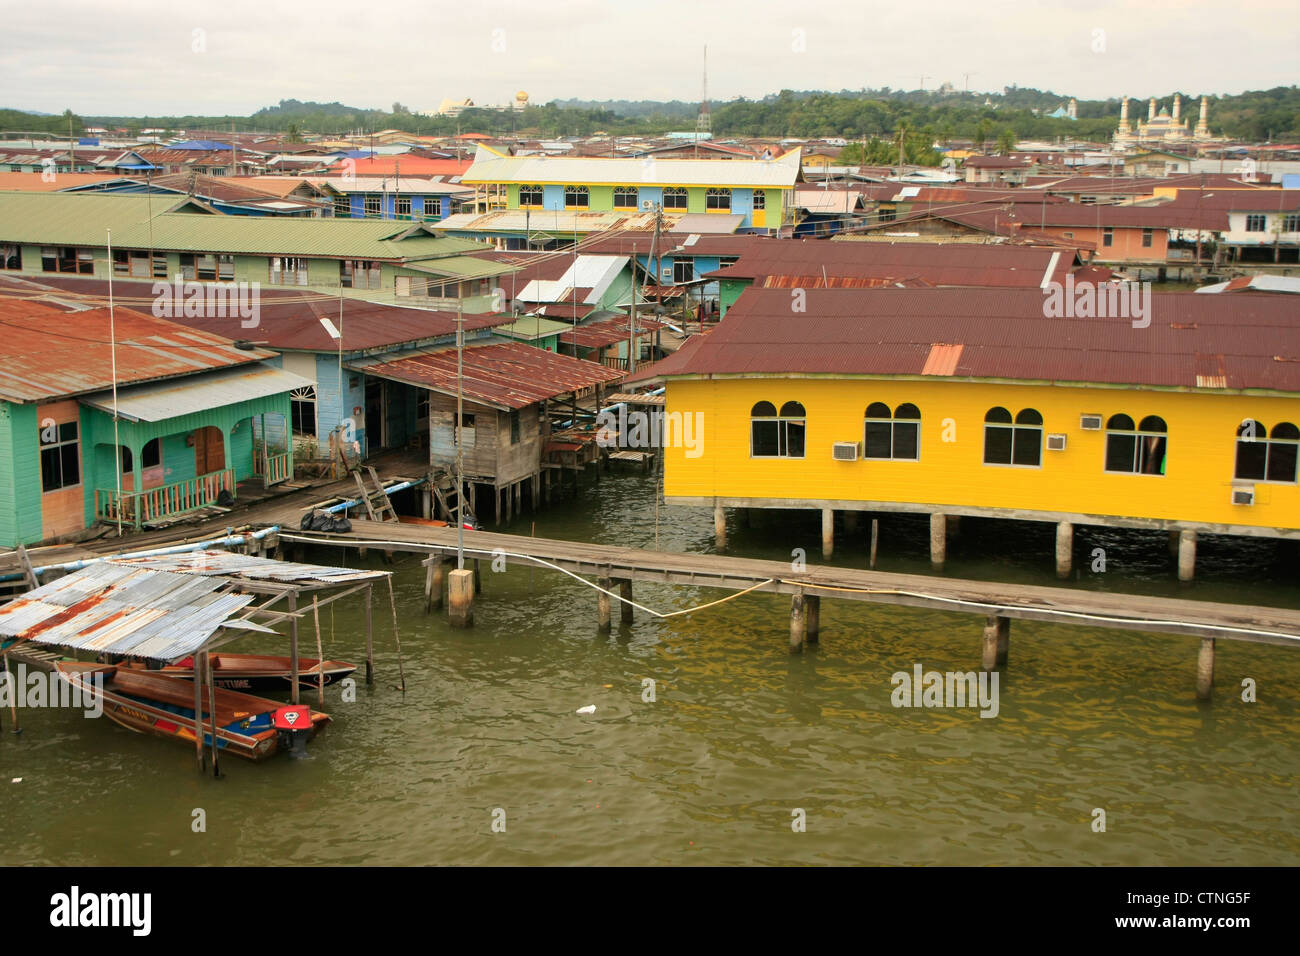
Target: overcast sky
[(131, 57)]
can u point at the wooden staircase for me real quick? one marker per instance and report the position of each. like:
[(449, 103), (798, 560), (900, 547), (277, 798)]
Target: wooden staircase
[(447, 495)]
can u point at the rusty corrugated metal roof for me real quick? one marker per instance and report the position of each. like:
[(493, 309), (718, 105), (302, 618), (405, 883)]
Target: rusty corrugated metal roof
[(1192, 341), (51, 354), (950, 264), (506, 375)]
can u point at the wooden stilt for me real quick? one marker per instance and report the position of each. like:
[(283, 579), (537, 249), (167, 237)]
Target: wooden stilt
[(370, 633), (625, 606), (478, 578), (198, 711), (437, 582), (875, 539), (212, 709), (719, 528), (1205, 669), (320, 654), (812, 605), (293, 647), (602, 604), (460, 597), (798, 623)]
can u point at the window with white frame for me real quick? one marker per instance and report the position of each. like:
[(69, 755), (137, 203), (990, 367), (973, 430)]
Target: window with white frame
[(717, 199), (675, 197), (576, 197), (1017, 441), (1136, 449), (1267, 456), (894, 436), (775, 434), (531, 195)]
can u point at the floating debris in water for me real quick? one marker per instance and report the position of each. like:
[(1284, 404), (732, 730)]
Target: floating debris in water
[(20, 779), (589, 709)]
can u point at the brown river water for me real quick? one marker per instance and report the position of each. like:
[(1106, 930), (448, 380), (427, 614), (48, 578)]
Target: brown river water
[(741, 735)]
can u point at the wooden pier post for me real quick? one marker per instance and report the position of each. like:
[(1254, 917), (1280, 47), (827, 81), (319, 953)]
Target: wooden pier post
[(1205, 669), (798, 623), (938, 541), (875, 539), (293, 647), (997, 640), (828, 533), (812, 605), (478, 578), (460, 597), (198, 711), (602, 604), (625, 592), (1186, 554), (370, 633), (1064, 549), (212, 709), (436, 583), (1173, 544), (719, 529)]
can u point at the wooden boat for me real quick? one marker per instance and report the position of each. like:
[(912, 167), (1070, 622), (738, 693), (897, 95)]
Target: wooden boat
[(263, 672), (152, 702)]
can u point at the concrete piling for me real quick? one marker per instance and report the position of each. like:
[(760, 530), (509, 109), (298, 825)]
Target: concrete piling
[(719, 528), (1064, 549), (997, 641), (938, 541), (828, 532), (1205, 669), (1186, 555)]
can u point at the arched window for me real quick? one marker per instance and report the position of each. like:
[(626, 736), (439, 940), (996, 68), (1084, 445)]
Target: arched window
[(1018, 442), (717, 199), (675, 197), (576, 197), (151, 453), (531, 195), (625, 197), (895, 436), (1267, 456), (773, 435), (1136, 449)]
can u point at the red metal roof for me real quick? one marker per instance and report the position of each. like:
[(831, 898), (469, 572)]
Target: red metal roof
[(53, 353), (287, 318), (1253, 342), (951, 264), (596, 335), (509, 375)]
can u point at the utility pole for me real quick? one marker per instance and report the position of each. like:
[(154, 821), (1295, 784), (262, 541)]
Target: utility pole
[(924, 77), (631, 332), (460, 415)]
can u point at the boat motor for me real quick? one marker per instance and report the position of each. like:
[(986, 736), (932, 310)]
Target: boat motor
[(293, 724)]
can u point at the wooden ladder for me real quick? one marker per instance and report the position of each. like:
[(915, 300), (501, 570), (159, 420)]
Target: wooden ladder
[(445, 493), (378, 505)]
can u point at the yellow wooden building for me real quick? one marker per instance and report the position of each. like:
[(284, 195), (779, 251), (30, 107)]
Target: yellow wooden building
[(976, 402)]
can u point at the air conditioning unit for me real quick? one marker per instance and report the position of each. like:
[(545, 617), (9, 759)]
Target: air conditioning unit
[(1090, 423), (845, 451), (1056, 443), (1243, 495), (647, 205)]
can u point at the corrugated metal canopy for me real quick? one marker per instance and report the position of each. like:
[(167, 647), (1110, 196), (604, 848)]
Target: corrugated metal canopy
[(247, 567), (159, 401), (493, 167), (507, 375), (111, 609)]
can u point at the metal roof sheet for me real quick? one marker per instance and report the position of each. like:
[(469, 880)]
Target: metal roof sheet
[(228, 564), (1249, 341), (52, 354), (145, 222), (113, 609), (159, 401), (506, 375)]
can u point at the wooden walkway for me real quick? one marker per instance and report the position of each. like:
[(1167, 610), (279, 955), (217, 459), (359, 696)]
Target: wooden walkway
[(989, 598)]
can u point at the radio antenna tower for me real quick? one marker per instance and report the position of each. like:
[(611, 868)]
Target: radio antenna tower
[(704, 122)]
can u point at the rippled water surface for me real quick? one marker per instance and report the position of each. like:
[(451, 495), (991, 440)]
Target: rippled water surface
[(741, 732)]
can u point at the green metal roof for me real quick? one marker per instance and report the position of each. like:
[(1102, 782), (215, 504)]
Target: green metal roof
[(533, 328), (464, 267), (146, 222)]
